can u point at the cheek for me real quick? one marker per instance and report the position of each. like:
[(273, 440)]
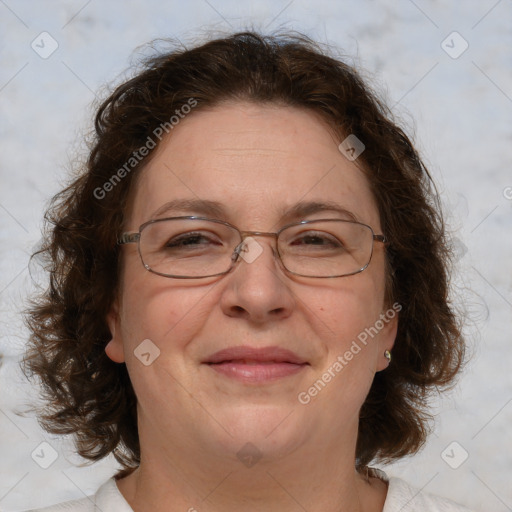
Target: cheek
[(346, 309), (342, 319), (155, 308), (162, 319)]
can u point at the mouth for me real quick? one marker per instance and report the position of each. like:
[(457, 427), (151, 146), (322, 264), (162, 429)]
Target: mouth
[(256, 365)]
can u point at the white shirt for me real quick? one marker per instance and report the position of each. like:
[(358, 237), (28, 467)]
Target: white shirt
[(401, 497)]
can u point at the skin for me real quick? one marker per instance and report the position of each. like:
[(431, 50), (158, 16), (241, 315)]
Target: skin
[(257, 161)]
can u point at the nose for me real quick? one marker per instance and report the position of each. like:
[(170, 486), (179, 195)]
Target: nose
[(256, 289)]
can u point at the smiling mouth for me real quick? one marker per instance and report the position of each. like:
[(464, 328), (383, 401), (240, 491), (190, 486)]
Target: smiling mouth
[(256, 365)]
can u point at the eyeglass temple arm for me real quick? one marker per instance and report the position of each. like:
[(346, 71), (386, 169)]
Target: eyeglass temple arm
[(128, 238), (380, 238)]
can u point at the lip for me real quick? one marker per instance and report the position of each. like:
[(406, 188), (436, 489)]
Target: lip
[(256, 365), (261, 355)]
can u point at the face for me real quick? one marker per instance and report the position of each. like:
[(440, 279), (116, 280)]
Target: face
[(256, 162)]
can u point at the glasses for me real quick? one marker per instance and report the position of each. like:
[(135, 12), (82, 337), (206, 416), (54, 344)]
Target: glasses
[(197, 247)]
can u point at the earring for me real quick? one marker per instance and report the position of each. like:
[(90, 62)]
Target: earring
[(387, 355)]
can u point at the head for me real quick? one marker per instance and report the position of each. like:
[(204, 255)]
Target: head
[(246, 130)]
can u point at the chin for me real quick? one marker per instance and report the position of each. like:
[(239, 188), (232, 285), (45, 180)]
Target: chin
[(271, 432)]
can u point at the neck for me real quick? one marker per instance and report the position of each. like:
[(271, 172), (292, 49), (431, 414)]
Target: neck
[(313, 478)]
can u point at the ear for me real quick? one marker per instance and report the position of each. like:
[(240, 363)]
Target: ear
[(115, 348), (387, 337)]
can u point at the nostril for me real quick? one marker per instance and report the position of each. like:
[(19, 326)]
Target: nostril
[(238, 312)]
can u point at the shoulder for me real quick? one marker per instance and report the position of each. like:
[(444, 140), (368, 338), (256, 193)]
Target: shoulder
[(107, 499), (405, 498)]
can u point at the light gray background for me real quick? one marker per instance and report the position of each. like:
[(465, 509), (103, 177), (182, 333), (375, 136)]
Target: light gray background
[(457, 109)]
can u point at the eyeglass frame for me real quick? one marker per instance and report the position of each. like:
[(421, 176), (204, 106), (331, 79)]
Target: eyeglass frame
[(135, 236)]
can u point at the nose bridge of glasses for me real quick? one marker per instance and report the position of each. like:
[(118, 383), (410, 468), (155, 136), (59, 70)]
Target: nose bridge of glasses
[(251, 234), (243, 246), (246, 234)]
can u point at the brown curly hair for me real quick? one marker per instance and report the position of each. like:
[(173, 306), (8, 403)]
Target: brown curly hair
[(89, 395)]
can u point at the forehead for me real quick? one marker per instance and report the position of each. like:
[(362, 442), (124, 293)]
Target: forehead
[(256, 163)]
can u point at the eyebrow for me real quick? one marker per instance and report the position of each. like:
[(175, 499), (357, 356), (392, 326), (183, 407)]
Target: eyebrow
[(215, 209), (197, 206), (305, 208)]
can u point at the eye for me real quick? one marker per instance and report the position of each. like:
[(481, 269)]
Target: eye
[(193, 240), (316, 239)]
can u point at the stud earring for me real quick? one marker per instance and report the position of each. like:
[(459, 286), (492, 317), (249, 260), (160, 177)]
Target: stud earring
[(387, 355)]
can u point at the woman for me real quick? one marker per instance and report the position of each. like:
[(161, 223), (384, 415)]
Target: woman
[(248, 297)]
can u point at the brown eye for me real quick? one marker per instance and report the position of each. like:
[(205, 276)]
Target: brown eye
[(315, 238), (192, 240)]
